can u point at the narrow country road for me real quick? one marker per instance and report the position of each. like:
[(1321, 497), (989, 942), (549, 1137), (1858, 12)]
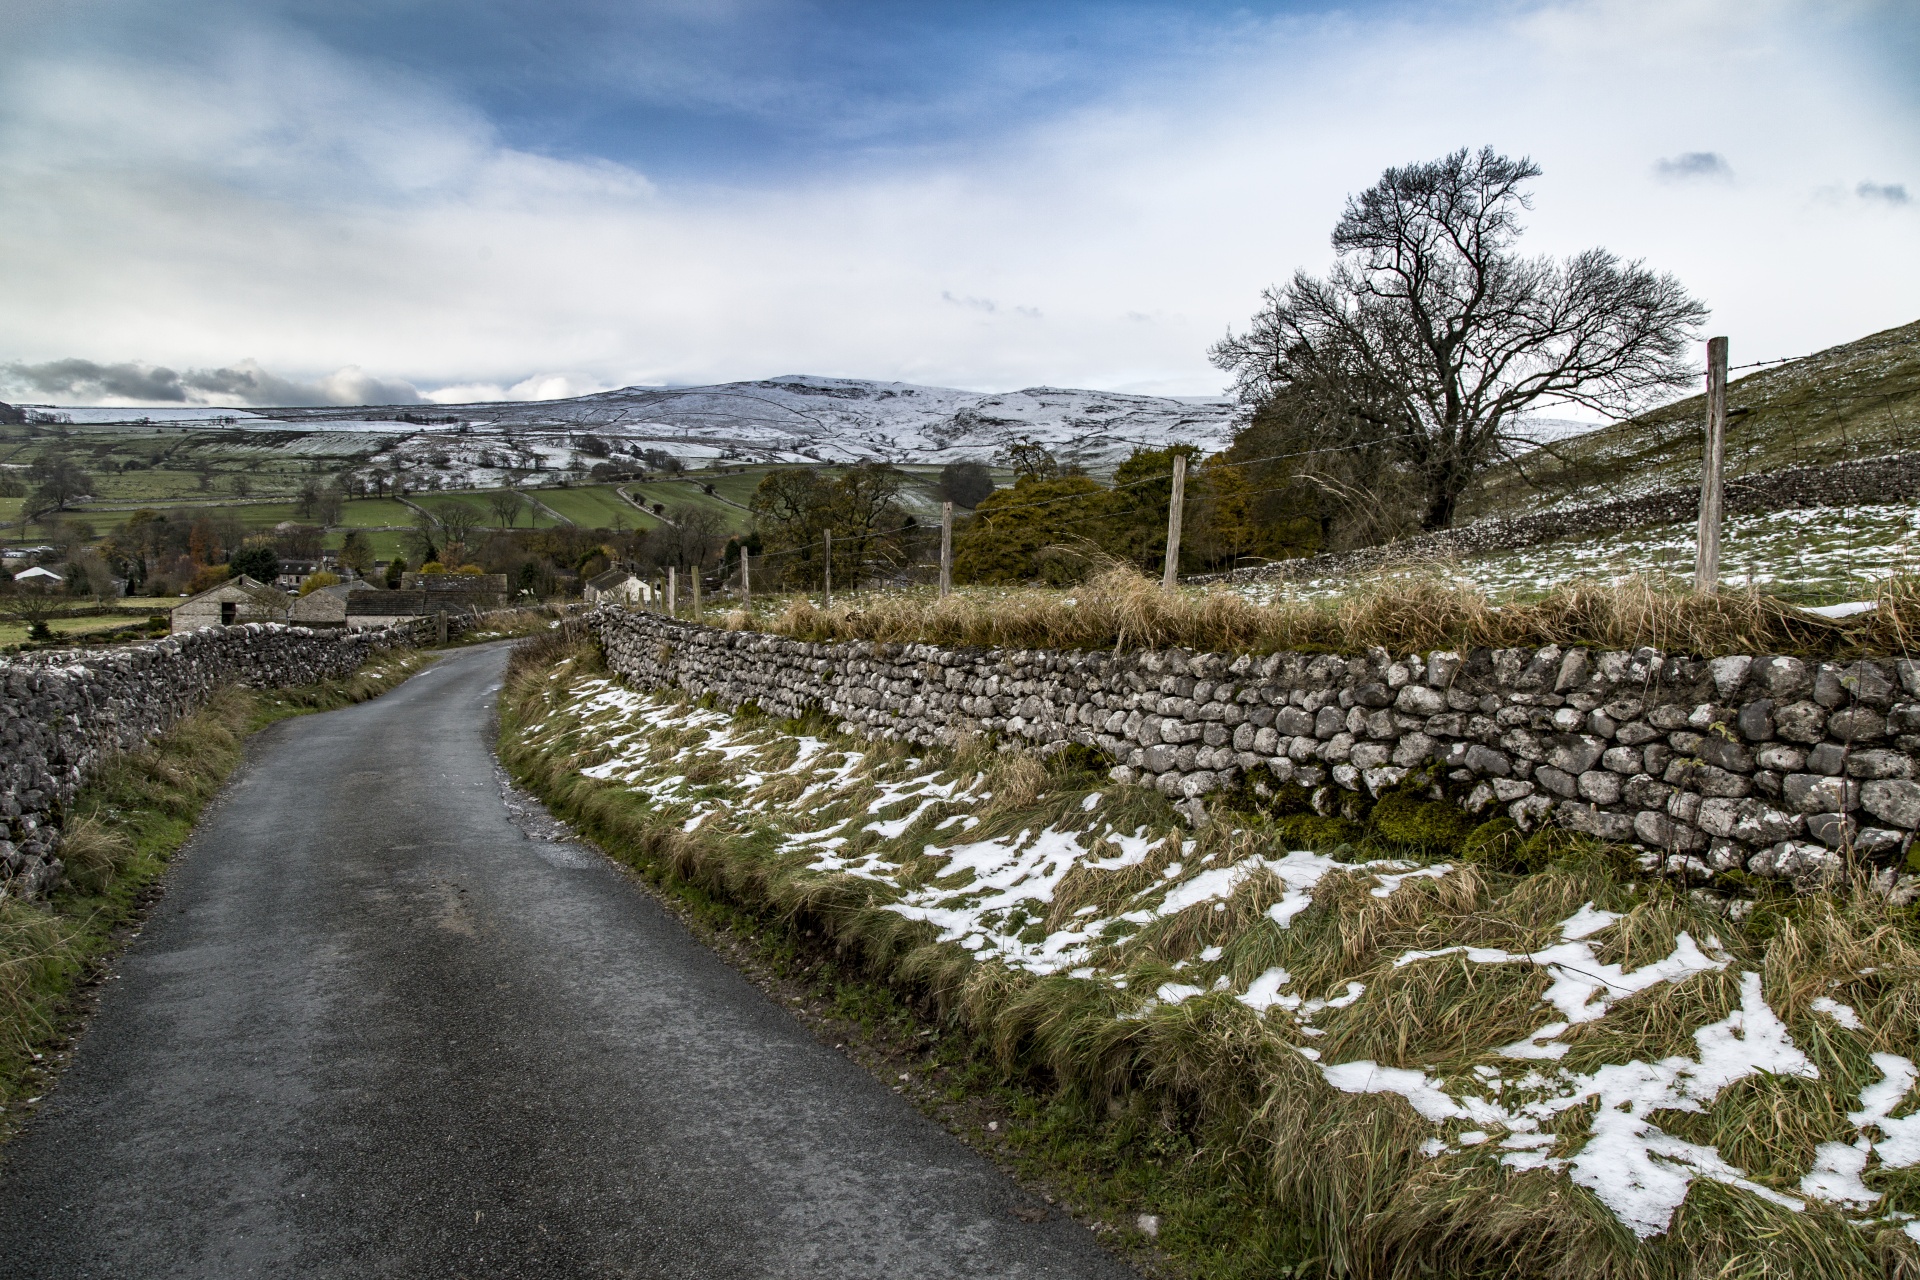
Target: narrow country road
[(375, 1028)]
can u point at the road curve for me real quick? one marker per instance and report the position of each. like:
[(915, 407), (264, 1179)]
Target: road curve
[(374, 1028)]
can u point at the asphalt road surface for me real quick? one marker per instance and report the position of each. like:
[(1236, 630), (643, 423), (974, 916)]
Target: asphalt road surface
[(380, 1026)]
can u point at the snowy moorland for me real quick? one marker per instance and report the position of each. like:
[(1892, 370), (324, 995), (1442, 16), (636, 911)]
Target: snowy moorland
[(1689, 1082), (796, 419), (800, 418)]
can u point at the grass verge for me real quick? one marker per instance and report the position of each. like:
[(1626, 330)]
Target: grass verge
[(1316, 1063), (121, 831), (1120, 608)]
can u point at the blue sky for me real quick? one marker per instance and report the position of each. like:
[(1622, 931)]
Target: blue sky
[(747, 90), (532, 199)]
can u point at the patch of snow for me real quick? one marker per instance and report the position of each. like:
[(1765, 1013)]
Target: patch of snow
[(1840, 1013)]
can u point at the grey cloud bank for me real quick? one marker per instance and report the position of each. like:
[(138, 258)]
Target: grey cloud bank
[(80, 381)]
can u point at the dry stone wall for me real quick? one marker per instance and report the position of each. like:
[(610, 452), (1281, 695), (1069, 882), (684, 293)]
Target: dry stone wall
[(64, 712), (1770, 765)]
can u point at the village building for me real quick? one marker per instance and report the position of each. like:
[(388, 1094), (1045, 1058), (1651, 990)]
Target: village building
[(10, 556), (423, 595), (458, 592), (364, 610), (617, 586), (294, 572), (232, 602), (324, 606), (45, 579)]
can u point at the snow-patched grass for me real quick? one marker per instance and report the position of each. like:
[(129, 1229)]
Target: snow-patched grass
[(1813, 556), (1563, 1071)]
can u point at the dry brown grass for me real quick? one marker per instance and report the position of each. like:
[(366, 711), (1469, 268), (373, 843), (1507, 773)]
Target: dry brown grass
[(94, 853), (1120, 609)]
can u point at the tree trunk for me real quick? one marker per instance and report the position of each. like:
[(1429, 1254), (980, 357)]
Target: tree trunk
[(1443, 499)]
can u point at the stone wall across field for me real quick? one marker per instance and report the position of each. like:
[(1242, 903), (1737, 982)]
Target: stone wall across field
[(1892, 479), (64, 712), (1770, 765)]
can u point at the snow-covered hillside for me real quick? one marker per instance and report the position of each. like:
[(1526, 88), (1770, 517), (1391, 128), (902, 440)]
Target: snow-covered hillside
[(802, 418)]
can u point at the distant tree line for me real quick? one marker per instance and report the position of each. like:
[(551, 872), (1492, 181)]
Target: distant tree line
[(1053, 524)]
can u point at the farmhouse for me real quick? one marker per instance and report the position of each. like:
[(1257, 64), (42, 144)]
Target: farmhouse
[(292, 572), (232, 602), (617, 586)]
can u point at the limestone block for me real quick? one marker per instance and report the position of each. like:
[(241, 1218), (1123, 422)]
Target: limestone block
[(1420, 700), (1895, 801), (1600, 786), (1879, 764), (1804, 721), (1815, 793), (1857, 724)]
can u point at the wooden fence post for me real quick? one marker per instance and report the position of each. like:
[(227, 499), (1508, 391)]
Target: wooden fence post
[(1171, 577), (673, 591), (1706, 564), (946, 548), (693, 579), (829, 568), (746, 578)]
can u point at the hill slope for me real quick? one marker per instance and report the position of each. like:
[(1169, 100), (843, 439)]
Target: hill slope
[(800, 418), (1856, 400)]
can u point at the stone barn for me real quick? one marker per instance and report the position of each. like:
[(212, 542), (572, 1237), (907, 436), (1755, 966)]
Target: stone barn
[(458, 592), (325, 606), (234, 601)]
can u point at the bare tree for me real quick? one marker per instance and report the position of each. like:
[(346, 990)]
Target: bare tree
[(56, 482), (459, 520), (31, 607), (1432, 336), (421, 538), (505, 505)]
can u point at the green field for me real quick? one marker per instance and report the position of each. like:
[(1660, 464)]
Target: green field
[(12, 633), (737, 485), (589, 508), (375, 513), (200, 464), (386, 542), (252, 474), (688, 495)]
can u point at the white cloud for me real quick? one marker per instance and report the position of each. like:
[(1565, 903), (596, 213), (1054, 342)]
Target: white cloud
[(319, 215), (541, 386)]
